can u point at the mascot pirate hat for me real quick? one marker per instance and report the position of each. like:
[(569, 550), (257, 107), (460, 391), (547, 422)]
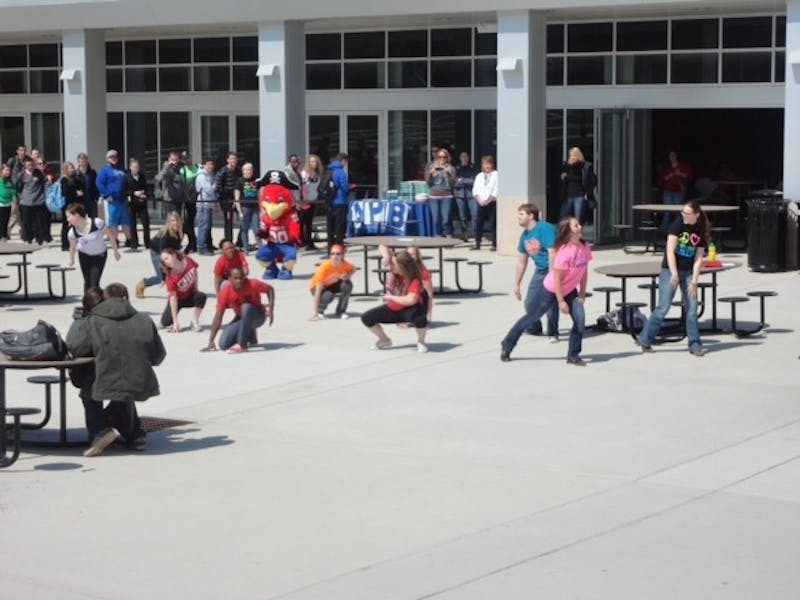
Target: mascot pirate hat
[(274, 176)]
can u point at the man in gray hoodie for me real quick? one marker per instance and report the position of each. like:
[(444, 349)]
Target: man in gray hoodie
[(31, 187)]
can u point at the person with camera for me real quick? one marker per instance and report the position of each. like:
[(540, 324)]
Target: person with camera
[(441, 178)]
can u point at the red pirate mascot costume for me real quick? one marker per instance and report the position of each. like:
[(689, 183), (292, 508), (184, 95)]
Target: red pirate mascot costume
[(280, 227)]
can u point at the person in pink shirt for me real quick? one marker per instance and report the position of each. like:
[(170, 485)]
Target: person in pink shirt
[(564, 285)]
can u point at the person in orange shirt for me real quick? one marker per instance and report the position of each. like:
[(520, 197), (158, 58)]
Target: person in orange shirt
[(333, 277)]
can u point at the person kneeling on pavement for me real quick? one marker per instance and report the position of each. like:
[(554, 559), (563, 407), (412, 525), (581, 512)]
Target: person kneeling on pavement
[(126, 346), (243, 295)]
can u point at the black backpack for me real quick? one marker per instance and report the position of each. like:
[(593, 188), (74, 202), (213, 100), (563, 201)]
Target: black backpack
[(325, 191), (42, 342)]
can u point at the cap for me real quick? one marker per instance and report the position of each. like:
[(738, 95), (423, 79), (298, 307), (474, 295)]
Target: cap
[(186, 154), (111, 154)]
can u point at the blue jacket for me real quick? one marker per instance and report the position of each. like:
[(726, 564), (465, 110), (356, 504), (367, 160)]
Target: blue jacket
[(111, 182), (340, 183)]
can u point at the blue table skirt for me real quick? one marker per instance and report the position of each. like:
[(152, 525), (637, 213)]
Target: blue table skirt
[(382, 217)]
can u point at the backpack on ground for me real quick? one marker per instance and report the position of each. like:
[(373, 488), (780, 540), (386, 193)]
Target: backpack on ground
[(42, 342), (613, 321), (54, 198), (326, 192)]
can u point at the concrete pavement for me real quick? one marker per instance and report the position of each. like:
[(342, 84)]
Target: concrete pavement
[(317, 468)]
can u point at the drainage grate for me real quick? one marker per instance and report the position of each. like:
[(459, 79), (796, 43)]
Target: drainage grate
[(151, 424)]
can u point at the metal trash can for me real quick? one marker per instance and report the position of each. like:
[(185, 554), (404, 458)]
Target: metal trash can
[(766, 231), (792, 235)]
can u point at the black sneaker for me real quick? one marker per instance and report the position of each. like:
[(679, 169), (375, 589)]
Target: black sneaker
[(505, 356)]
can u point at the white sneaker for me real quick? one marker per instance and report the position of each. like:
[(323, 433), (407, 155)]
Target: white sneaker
[(101, 441), (321, 315), (381, 345), (553, 339), (421, 347), (196, 326), (344, 316)]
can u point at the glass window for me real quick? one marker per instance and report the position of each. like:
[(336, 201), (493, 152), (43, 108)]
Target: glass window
[(175, 135), (555, 70), (694, 68), (12, 134), (555, 38), (365, 44), (580, 131), (324, 76), (485, 43), (362, 146), (408, 145), (214, 138), (780, 66), (408, 74), (212, 79), (323, 46), (747, 32), (244, 77), (43, 55), (174, 51), (780, 32), (174, 79), (642, 68), (212, 49), (12, 82), (245, 49), (451, 73), (46, 135), (114, 80), (408, 43), (140, 52), (642, 35), (247, 141), (589, 70), (452, 129), (555, 152), (364, 75), (695, 34), (113, 53), (485, 134), (451, 42), (324, 137), (486, 72), (44, 82), (143, 140), (140, 79), (590, 37), (740, 67), (116, 134), (13, 56)]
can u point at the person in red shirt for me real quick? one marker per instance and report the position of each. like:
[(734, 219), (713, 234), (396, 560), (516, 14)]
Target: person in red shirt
[(243, 295), (231, 257), (182, 292), (410, 307)]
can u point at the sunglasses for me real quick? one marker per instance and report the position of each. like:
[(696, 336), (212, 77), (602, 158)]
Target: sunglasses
[(688, 214), (336, 253)]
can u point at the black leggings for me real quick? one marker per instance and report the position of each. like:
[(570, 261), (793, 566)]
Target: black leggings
[(5, 215), (196, 300), (138, 209), (92, 266), (415, 315), (306, 221)]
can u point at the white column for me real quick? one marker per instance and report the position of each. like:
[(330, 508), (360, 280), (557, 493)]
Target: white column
[(521, 119), (791, 108), (85, 126), (281, 92)]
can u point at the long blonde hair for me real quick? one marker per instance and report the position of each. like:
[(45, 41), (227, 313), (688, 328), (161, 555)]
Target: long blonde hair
[(577, 153), (165, 227), (309, 169)]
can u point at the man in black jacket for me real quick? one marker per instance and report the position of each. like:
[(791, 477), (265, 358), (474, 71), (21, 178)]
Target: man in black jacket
[(225, 184)]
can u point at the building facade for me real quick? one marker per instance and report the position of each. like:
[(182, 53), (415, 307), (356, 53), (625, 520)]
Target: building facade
[(525, 81)]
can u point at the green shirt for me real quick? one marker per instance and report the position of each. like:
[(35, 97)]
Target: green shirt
[(189, 173), (7, 192)]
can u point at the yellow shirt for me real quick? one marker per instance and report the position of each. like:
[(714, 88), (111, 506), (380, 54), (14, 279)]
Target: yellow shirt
[(327, 274)]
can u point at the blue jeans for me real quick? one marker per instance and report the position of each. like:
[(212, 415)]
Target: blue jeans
[(467, 211), (668, 197), (546, 303), (156, 279), (240, 330), (534, 297), (665, 295), (441, 208), (249, 222), (573, 206), (203, 226)]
